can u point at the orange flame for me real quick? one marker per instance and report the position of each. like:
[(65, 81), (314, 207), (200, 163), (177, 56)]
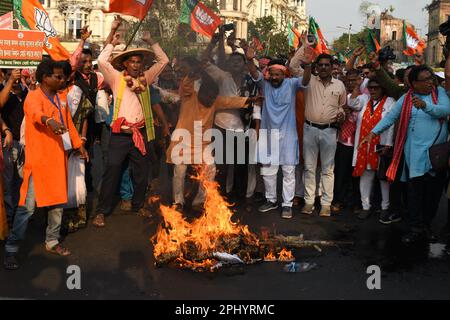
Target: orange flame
[(212, 231), (285, 255), (270, 257)]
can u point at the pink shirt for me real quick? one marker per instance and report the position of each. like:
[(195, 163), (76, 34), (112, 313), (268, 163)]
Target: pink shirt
[(130, 108)]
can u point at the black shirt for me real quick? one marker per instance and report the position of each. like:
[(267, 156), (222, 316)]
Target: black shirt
[(12, 112)]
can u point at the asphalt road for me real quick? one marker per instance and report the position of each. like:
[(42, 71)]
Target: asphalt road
[(117, 263)]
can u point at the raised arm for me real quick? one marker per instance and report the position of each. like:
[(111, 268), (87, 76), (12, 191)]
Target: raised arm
[(4, 94), (355, 55), (250, 55), (104, 65), (76, 55), (161, 59)]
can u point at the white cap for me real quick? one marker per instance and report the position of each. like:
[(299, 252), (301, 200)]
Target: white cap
[(440, 74)]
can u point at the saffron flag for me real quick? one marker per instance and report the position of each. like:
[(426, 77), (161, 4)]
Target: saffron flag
[(201, 19), (32, 15), (372, 43), (293, 36), (135, 8), (413, 43), (314, 29), (257, 45)]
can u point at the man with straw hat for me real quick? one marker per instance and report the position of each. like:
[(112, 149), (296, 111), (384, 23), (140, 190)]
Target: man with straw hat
[(132, 126)]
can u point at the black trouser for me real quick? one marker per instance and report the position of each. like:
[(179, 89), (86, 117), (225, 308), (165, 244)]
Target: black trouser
[(343, 170), (240, 170), (121, 148), (424, 193)]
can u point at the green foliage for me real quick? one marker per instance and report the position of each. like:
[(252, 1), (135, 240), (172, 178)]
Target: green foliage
[(357, 40), (265, 29)]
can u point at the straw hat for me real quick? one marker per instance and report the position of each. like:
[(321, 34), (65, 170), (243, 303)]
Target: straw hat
[(118, 60)]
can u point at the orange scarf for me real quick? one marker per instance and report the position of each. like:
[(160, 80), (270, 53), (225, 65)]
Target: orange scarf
[(365, 155)]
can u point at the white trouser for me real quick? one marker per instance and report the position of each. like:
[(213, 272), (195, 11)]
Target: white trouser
[(317, 141), (365, 187), (179, 175), (270, 174)]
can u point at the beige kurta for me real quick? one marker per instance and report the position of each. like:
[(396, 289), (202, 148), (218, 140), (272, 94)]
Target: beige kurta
[(189, 139)]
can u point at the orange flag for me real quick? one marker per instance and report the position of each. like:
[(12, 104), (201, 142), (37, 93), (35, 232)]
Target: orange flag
[(32, 15), (135, 8)]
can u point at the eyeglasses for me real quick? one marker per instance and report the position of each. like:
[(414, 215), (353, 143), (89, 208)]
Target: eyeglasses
[(323, 65), (429, 79)]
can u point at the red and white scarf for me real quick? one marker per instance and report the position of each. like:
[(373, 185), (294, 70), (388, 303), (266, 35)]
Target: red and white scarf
[(367, 153)]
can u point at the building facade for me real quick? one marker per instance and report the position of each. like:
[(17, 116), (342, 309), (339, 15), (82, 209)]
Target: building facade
[(391, 34), (438, 13)]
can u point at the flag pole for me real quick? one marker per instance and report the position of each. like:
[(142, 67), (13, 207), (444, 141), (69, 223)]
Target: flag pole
[(134, 34)]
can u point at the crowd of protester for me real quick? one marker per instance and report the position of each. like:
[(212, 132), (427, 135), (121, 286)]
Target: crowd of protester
[(351, 139)]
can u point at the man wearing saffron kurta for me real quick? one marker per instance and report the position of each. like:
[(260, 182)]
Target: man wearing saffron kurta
[(132, 126), (49, 132)]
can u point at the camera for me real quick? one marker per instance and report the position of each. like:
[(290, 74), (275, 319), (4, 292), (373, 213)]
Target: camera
[(386, 54), (228, 27)]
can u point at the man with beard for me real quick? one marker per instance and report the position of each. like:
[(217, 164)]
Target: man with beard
[(278, 118), (324, 101)]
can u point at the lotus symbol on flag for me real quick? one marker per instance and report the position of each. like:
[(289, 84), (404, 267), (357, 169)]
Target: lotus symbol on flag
[(203, 16), (43, 24), (412, 42)]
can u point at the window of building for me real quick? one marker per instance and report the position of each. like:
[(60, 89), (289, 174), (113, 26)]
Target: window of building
[(223, 4), (394, 35), (76, 21), (235, 4)]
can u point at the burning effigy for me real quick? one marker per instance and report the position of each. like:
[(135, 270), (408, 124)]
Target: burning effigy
[(213, 239)]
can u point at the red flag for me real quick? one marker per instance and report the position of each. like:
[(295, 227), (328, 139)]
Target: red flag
[(204, 21), (135, 8), (257, 44)]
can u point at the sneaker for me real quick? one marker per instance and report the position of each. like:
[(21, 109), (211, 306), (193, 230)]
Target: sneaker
[(364, 214), (286, 213), (268, 206), (10, 262), (307, 209), (385, 217), (325, 211), (395, 217)]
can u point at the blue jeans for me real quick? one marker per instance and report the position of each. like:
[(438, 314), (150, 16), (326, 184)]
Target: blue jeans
[(12, 177), (22, 217), (126, 185)]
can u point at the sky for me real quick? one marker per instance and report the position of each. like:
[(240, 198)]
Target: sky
[(343, 12)]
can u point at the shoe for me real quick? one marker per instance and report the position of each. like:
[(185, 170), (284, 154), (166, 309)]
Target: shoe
[(259, 197), (144, 212), (337, 207), (297, 202), (412, 237), (385, 217), (10, 262), (99, 220), (307, 209), (125, 205), (325, 211), (364, 214), (286, 213), (395, 217), (268, 206)]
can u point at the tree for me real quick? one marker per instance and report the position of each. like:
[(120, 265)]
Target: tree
[(357, 39), (163, 23), (265, 29)]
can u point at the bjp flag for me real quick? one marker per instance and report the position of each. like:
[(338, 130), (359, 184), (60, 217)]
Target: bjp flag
[(32, 15), (135, 8)]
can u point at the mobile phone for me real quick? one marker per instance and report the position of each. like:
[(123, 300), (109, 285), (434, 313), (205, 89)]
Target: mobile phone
[(311, 38)]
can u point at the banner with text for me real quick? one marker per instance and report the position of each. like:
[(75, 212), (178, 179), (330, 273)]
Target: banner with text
[(20, 49)]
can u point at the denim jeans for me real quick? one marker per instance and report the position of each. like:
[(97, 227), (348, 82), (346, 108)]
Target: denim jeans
[(12, 177), (22, 217)]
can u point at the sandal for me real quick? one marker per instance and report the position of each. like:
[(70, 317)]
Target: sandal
[(58, 250), (73, 227), (99, 220), (10, 262)]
